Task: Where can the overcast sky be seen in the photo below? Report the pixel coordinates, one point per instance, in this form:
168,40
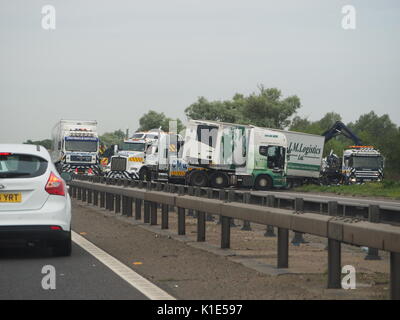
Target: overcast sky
114,60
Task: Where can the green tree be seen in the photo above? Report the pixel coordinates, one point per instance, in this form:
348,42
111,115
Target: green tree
155,120
265,108
381,133
110,138
269,109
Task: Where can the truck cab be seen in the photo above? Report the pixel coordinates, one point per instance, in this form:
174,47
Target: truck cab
130,156
76,147
362,164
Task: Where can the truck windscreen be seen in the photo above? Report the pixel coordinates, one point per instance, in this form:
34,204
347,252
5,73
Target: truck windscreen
81,145
132,147
366,162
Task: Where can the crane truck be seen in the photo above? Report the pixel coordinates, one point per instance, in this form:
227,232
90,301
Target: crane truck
359,163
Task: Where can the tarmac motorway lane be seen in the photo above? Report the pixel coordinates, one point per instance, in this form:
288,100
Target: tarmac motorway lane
80,276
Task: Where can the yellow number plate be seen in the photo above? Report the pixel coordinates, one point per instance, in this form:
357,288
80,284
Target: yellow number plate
10,197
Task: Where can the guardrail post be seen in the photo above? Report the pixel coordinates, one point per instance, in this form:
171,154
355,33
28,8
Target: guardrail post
283,248
79,193
146,212
111,202
95,198
171,189
90,196
102,199
164,216
373,216
394,275
153,213
117,203
73,192
334,264
181,215
209,217
138,209
221,196
334,254
129,202
84,195
190,193
299,208
231,198
270,229
225,232
201,219
246,223
124,205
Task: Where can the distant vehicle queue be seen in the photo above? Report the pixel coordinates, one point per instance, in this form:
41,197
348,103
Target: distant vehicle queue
216,154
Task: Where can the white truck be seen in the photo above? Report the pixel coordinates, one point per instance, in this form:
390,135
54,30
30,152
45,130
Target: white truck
75,146
362,164
145,156
224,154
304,157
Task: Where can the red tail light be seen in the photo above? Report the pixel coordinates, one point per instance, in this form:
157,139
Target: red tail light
55,228
55,185
5,153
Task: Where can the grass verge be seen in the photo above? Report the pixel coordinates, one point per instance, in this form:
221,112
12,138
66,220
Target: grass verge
388,189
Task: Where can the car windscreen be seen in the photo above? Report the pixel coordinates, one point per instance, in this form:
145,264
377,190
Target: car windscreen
366,162
132,147
21,166
81,145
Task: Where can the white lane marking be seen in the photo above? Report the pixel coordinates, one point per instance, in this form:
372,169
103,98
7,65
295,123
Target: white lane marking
149,289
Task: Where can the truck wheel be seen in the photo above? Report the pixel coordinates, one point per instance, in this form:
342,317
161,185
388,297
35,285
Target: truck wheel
219,180
263,182
144,175
198,178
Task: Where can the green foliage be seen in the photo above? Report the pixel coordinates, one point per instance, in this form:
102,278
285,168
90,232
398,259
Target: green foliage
155,120
381,133
110,138
47,143
266,108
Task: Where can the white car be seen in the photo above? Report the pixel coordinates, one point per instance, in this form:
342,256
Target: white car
35,206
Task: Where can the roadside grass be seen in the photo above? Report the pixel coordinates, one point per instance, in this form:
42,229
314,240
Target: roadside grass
387,188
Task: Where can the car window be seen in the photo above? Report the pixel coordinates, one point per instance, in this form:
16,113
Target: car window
21,166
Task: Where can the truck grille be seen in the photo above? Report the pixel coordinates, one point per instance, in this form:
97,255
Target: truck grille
81,158
118,164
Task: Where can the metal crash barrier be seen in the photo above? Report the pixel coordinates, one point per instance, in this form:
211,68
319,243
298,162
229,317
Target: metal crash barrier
122,196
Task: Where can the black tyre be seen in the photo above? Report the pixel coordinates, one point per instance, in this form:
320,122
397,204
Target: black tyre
263,182
198,178
219,180
144,174
63,248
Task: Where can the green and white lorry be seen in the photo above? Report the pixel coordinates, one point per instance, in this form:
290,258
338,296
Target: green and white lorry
304,157
221,154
